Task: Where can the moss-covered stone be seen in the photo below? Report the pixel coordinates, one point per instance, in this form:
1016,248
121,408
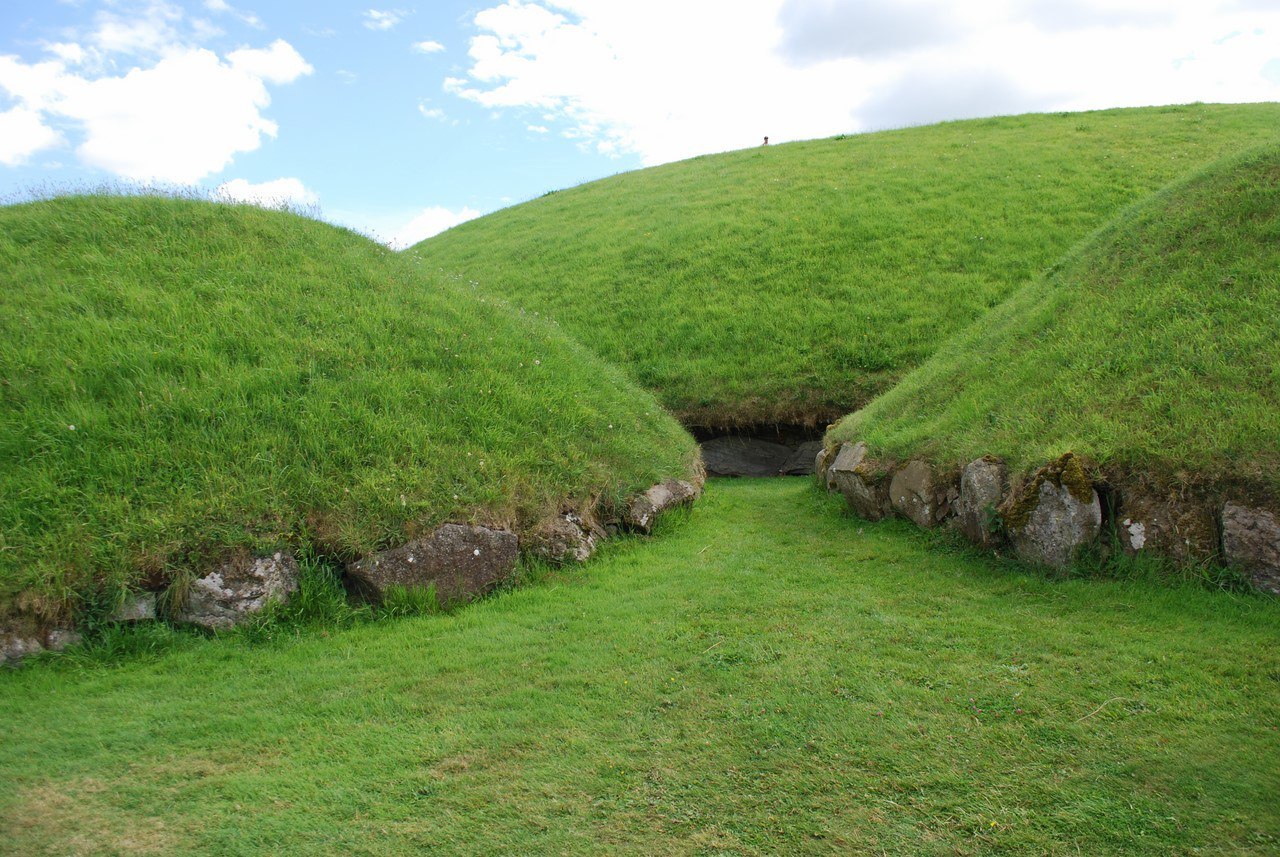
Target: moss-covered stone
1069,471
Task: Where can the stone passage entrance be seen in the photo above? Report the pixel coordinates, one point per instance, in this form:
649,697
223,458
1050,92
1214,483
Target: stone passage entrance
765,450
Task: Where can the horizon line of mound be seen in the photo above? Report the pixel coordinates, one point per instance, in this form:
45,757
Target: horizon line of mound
188,389
794,283
1151,349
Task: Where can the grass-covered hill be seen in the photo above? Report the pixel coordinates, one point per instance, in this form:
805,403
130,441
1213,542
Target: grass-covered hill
792,283
1152,347
180,378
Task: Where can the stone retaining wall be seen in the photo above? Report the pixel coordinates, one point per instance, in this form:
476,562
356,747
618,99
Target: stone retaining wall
458,561
1049,515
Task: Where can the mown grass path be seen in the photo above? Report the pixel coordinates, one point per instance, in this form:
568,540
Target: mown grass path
768,676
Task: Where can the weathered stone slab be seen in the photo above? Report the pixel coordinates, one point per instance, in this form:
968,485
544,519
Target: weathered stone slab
140,607
238,589
1251,541
984,483
1055,513
565,537
644,509
744,456
461,561
1149,521
822,467
913,493
863,481
802,460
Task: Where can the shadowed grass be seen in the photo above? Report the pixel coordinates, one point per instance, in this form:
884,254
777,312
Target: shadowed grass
763,679
1152,347
793,283
180,379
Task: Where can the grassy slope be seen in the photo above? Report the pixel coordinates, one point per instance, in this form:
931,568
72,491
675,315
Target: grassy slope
760,681
242,377
1153,346
794,282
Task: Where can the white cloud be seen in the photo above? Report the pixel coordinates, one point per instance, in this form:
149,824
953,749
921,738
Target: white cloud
69,52
539,129
430,221
279,63
222,7
375,19
277,193
428,47
22,134
432,112
669,78
817,30
153,30
178,117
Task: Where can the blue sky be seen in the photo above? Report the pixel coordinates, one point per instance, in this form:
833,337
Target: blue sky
402,118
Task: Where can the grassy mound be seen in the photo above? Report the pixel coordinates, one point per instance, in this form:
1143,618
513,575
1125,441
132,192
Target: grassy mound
793,283
179,379
1152,346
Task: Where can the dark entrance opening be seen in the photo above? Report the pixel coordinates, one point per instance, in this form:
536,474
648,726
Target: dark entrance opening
761,450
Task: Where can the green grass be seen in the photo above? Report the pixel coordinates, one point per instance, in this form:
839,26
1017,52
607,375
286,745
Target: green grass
1152,347
179,379
763,679
793,283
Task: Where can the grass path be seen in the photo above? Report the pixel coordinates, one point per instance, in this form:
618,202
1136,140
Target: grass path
768,676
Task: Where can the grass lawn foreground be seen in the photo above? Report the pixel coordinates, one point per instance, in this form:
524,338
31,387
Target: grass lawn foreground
767,677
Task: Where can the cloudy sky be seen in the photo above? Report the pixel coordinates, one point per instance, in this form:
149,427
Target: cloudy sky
403,118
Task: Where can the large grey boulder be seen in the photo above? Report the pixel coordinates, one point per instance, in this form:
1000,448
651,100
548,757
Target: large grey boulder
744,456
984,482
862,480
238,589
21,636
1251,540
916,492
567,536
644,509
802,460
1055,513
1164,523
461,561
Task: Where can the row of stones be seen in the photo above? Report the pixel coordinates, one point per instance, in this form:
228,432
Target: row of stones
459,561
1048,516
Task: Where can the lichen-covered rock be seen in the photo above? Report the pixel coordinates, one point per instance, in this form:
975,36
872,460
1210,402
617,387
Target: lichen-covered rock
822,467
1054,514
862,480
917,493
643,510
1165,523
21,637
744,456
566,536
984,482
460,561
238,589
1251,541
140,607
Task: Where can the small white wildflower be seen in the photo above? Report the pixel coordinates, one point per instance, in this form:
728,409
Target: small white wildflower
71,428
476,552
